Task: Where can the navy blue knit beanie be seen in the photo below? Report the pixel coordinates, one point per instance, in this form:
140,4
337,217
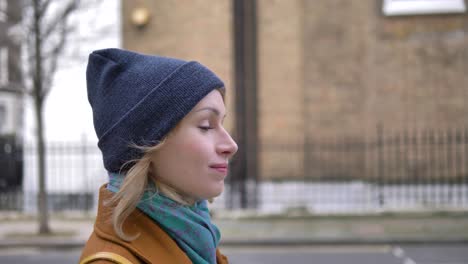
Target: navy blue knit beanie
137,99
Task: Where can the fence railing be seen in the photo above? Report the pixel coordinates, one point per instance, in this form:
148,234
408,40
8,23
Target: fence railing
400,170
74,173
409,170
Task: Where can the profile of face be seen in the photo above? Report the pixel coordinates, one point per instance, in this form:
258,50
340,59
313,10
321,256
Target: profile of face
194,157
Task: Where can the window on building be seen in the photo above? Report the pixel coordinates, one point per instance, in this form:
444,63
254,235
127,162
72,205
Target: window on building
422,7
3,10
3,66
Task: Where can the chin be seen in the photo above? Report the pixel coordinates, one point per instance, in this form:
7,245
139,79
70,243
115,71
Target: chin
215,192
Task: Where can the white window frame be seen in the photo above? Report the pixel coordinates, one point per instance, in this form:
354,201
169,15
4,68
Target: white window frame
3,10
4,66
422,7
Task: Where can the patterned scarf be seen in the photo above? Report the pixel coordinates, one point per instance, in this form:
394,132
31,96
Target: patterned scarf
189,226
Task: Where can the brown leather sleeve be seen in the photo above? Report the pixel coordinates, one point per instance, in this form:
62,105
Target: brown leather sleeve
220,258
96,244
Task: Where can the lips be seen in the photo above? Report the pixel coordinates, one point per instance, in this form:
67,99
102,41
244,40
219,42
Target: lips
221,167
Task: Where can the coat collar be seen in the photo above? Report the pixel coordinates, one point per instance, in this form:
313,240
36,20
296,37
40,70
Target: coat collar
153,245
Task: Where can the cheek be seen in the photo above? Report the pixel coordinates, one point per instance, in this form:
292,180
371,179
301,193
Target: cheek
184,163
194,152
189,154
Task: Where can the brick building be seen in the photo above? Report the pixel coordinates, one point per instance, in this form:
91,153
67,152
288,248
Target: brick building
11,96
10,71
324,67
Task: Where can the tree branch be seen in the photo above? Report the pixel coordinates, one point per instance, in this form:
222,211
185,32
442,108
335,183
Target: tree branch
60,18
43,8
53,57
55,16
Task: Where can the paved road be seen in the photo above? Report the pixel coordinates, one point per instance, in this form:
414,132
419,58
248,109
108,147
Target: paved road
380,254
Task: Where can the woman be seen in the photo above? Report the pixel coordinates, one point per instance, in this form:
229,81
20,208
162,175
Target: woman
159,122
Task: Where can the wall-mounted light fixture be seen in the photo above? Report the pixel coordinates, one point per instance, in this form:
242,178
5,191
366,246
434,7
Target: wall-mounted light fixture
140,16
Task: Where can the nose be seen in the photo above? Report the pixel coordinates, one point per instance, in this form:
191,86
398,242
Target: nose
227,146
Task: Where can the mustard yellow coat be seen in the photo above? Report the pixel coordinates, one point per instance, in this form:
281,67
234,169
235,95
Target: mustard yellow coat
153,245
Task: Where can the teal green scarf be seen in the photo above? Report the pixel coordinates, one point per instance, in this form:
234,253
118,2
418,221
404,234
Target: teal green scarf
189,226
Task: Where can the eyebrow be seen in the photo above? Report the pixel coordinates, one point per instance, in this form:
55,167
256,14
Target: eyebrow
212,109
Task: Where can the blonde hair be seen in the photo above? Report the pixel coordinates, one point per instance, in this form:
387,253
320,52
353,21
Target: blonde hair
132,188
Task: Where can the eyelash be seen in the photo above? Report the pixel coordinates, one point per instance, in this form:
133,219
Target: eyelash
205,128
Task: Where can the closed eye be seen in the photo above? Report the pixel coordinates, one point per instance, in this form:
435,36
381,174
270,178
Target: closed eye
205,128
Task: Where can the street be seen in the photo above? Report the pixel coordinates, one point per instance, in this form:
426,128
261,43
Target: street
372,254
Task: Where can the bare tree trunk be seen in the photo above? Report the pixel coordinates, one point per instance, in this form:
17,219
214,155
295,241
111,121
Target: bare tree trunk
38,106
41,152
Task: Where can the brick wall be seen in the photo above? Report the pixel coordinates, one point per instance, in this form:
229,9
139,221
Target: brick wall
190,30
326,68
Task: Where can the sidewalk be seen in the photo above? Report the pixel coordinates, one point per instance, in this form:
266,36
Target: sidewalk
408,228
268,230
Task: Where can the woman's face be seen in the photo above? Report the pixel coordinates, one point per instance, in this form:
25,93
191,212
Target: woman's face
194,157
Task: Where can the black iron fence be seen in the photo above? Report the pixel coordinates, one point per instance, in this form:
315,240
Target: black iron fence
409,170
10,163
11,172
391,170
74,173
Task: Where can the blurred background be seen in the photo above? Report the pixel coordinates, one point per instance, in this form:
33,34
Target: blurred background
350,116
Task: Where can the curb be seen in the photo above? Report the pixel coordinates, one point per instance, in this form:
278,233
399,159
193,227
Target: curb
339,241
42,243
